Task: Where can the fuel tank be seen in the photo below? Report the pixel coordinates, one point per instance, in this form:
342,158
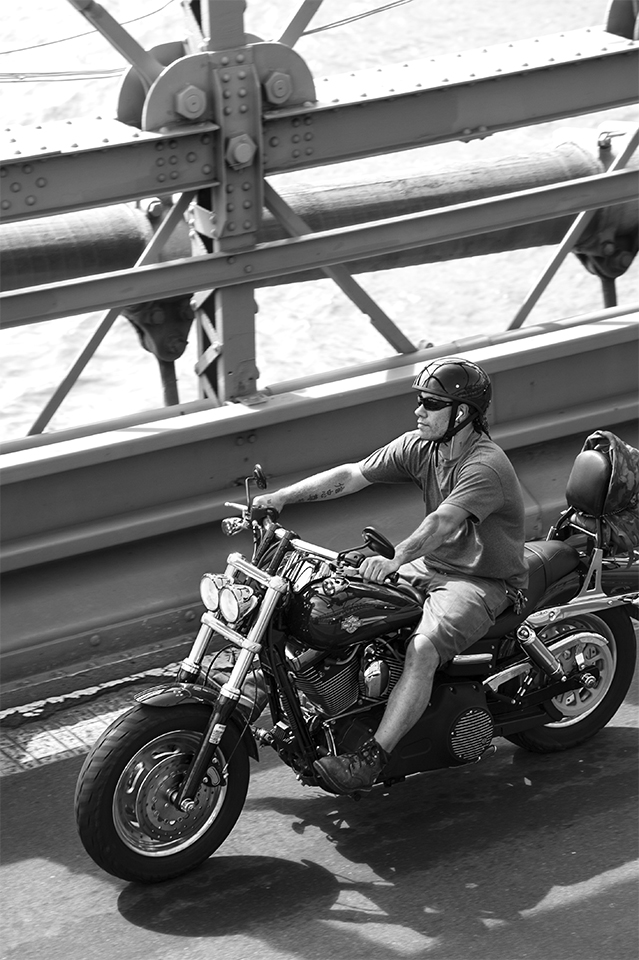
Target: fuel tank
331,615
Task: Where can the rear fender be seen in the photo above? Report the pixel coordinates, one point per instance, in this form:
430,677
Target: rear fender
179,693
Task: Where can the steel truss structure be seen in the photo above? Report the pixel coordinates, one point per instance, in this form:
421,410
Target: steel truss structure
210,119
108,527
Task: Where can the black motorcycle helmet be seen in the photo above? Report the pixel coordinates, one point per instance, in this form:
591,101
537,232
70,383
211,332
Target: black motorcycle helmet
457,381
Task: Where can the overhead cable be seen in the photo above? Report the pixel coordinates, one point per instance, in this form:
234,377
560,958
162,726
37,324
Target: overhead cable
87,33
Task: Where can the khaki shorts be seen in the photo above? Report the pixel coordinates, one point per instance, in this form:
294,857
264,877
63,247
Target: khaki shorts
457,610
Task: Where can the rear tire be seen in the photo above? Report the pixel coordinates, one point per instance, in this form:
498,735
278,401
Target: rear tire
586,712
123,803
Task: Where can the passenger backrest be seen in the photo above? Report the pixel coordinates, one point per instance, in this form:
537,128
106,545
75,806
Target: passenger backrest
588,482
603,494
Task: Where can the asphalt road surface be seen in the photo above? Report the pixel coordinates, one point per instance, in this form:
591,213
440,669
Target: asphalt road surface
519,856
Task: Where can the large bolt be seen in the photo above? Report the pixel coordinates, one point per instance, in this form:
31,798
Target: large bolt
240,151
278,87
190,102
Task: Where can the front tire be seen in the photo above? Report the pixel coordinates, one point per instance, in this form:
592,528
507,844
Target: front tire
587,711
125,816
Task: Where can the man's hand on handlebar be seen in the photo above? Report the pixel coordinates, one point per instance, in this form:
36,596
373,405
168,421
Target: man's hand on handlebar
378,568
268,501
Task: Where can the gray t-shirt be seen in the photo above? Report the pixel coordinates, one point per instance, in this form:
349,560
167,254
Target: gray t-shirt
482,481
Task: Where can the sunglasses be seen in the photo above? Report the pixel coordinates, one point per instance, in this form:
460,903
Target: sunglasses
431,403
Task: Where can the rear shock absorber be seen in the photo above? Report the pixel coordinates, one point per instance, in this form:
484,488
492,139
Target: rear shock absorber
539,653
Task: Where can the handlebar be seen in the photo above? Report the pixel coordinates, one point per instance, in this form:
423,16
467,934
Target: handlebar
307,547
268,517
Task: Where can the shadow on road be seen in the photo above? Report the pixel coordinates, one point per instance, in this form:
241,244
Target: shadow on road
467,863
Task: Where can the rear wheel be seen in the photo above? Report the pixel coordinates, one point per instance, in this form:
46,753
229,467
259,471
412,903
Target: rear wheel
125,810
605,641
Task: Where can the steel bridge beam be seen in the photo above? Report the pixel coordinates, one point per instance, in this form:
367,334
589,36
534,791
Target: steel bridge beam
71,166
265,261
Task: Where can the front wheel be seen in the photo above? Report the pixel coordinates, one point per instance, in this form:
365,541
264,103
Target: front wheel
586,710
124,807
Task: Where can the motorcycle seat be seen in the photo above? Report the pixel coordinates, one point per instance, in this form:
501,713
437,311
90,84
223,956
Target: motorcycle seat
547,562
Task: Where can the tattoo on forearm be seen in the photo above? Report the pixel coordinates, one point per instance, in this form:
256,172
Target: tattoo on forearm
327,494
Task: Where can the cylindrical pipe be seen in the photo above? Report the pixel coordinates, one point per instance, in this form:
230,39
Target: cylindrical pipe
110,238
80,244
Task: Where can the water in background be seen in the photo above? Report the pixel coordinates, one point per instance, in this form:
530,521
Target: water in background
300,328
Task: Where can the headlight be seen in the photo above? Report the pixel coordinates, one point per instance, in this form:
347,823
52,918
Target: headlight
235,601
210,586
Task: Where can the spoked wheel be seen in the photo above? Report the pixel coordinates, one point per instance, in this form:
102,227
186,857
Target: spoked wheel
606,642
125,797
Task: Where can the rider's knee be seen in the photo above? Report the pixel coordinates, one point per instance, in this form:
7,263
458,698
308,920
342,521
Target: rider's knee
422,650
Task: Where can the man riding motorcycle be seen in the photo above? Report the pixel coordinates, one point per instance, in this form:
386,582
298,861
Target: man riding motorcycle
466,557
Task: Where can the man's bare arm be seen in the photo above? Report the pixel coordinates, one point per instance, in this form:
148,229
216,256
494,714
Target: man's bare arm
434,530
328,485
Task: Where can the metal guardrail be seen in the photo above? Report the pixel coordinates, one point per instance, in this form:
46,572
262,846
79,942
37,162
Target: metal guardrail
106,534
110,533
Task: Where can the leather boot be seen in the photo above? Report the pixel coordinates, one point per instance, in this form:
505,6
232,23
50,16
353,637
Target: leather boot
353,772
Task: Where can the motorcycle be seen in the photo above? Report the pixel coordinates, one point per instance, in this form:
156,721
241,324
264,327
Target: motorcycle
322,649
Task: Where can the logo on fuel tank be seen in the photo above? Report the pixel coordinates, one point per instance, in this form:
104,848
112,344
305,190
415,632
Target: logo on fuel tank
351,624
